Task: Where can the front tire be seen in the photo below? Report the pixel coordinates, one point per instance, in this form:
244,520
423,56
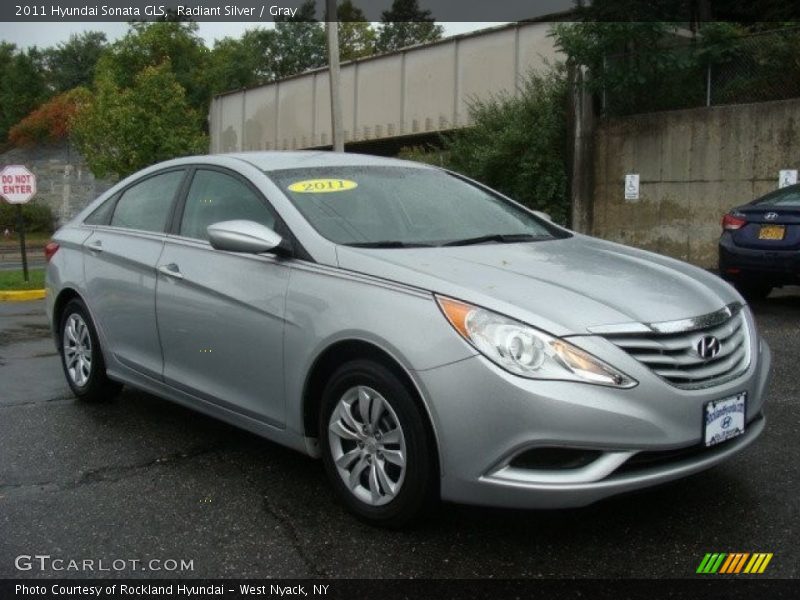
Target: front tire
81,356
376,447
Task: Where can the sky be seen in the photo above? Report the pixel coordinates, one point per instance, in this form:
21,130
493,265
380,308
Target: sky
50,34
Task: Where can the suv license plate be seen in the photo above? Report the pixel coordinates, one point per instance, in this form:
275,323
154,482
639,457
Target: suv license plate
724,419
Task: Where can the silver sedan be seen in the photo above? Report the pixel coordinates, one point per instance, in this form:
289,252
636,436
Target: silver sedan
424,335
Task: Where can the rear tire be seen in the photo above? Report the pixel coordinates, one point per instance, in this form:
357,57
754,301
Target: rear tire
754,291
378,452
81,356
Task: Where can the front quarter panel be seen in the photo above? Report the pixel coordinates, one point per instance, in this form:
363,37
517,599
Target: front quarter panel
325,306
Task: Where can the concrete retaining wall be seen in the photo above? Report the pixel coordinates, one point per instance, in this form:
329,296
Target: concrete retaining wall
694,166
63,180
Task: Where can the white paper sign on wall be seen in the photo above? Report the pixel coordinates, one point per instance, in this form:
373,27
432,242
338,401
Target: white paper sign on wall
787,177
632,186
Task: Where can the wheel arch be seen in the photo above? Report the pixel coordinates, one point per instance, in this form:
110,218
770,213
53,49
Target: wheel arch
64,296
344,351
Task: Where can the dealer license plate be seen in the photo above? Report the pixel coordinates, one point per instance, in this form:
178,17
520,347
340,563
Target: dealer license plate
724,419
771,232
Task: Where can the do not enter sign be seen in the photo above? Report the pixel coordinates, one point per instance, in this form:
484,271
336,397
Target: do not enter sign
17,184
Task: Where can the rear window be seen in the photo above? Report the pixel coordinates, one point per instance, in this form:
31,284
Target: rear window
788,196
102,214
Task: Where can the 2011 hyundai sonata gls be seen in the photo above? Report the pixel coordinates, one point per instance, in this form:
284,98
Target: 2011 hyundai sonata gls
424,335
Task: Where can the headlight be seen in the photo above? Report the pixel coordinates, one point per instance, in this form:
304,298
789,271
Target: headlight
525,351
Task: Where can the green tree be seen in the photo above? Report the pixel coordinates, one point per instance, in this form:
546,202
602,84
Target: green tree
298,43
126,129
357,38
153,44
72,63
22,85
237,63
405,24
500,150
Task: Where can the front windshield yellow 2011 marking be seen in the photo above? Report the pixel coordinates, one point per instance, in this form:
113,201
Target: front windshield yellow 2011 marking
322,186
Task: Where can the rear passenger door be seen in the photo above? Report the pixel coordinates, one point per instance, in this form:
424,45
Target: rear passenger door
120,258
221,314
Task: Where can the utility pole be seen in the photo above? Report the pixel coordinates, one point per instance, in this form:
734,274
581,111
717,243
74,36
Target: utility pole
332,27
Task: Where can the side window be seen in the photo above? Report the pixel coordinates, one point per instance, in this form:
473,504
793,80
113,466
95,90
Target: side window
215,197
102,214
146,205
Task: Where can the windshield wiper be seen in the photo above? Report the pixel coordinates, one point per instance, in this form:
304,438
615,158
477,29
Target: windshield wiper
388,244
502,238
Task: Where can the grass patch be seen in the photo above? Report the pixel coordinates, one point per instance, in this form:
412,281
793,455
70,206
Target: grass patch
13,280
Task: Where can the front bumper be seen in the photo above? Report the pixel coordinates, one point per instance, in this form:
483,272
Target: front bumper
485,417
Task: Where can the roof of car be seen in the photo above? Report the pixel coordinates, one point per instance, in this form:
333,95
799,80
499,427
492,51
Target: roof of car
276,161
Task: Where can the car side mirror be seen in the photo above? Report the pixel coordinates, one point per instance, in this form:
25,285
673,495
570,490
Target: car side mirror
543,215
243,236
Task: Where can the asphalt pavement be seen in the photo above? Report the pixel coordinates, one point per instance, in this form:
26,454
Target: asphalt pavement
139,478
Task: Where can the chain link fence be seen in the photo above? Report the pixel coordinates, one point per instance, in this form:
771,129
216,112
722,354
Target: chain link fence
753,68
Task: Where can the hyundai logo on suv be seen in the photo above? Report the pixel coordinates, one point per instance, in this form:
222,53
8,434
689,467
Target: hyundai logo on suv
771,216
708,347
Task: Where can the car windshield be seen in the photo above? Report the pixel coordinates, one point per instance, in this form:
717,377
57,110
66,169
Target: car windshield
789,196
396,207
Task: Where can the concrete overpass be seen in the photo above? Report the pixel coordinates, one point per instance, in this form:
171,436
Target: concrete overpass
393,98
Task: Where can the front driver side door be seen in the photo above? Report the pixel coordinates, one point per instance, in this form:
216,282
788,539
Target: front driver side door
221,314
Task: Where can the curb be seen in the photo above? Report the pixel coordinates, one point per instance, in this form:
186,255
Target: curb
21,295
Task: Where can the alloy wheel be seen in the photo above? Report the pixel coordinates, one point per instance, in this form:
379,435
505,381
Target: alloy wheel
367,445
77,345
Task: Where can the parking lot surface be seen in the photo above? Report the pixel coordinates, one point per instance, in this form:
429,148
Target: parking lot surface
139,478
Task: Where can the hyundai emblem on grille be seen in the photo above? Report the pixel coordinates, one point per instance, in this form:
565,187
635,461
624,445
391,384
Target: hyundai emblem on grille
708,347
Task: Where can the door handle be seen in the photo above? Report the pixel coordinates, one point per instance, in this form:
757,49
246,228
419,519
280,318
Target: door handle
96,246
171,270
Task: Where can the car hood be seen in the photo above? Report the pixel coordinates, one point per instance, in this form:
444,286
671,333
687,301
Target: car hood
563,286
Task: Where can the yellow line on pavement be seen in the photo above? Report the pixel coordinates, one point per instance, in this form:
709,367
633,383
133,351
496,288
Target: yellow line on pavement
21,295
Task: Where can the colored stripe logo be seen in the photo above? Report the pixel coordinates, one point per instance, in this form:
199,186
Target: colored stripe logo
734,563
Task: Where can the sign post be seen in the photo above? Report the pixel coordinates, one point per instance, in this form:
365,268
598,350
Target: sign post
18,186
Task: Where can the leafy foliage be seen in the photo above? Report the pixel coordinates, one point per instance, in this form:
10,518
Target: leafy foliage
22,84
500,150
640,67
406,24
125,129
38,217
71,64
154,44
357,38
298,43
51,121
237,63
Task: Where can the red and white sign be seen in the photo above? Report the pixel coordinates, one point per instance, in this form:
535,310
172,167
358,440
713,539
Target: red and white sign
17,184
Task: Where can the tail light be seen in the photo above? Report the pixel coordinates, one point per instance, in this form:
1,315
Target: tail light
734,221
50,249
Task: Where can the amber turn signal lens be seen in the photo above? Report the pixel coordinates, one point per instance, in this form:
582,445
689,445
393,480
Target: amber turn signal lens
457,313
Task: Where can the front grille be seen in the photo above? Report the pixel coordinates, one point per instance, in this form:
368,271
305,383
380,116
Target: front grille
674,356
